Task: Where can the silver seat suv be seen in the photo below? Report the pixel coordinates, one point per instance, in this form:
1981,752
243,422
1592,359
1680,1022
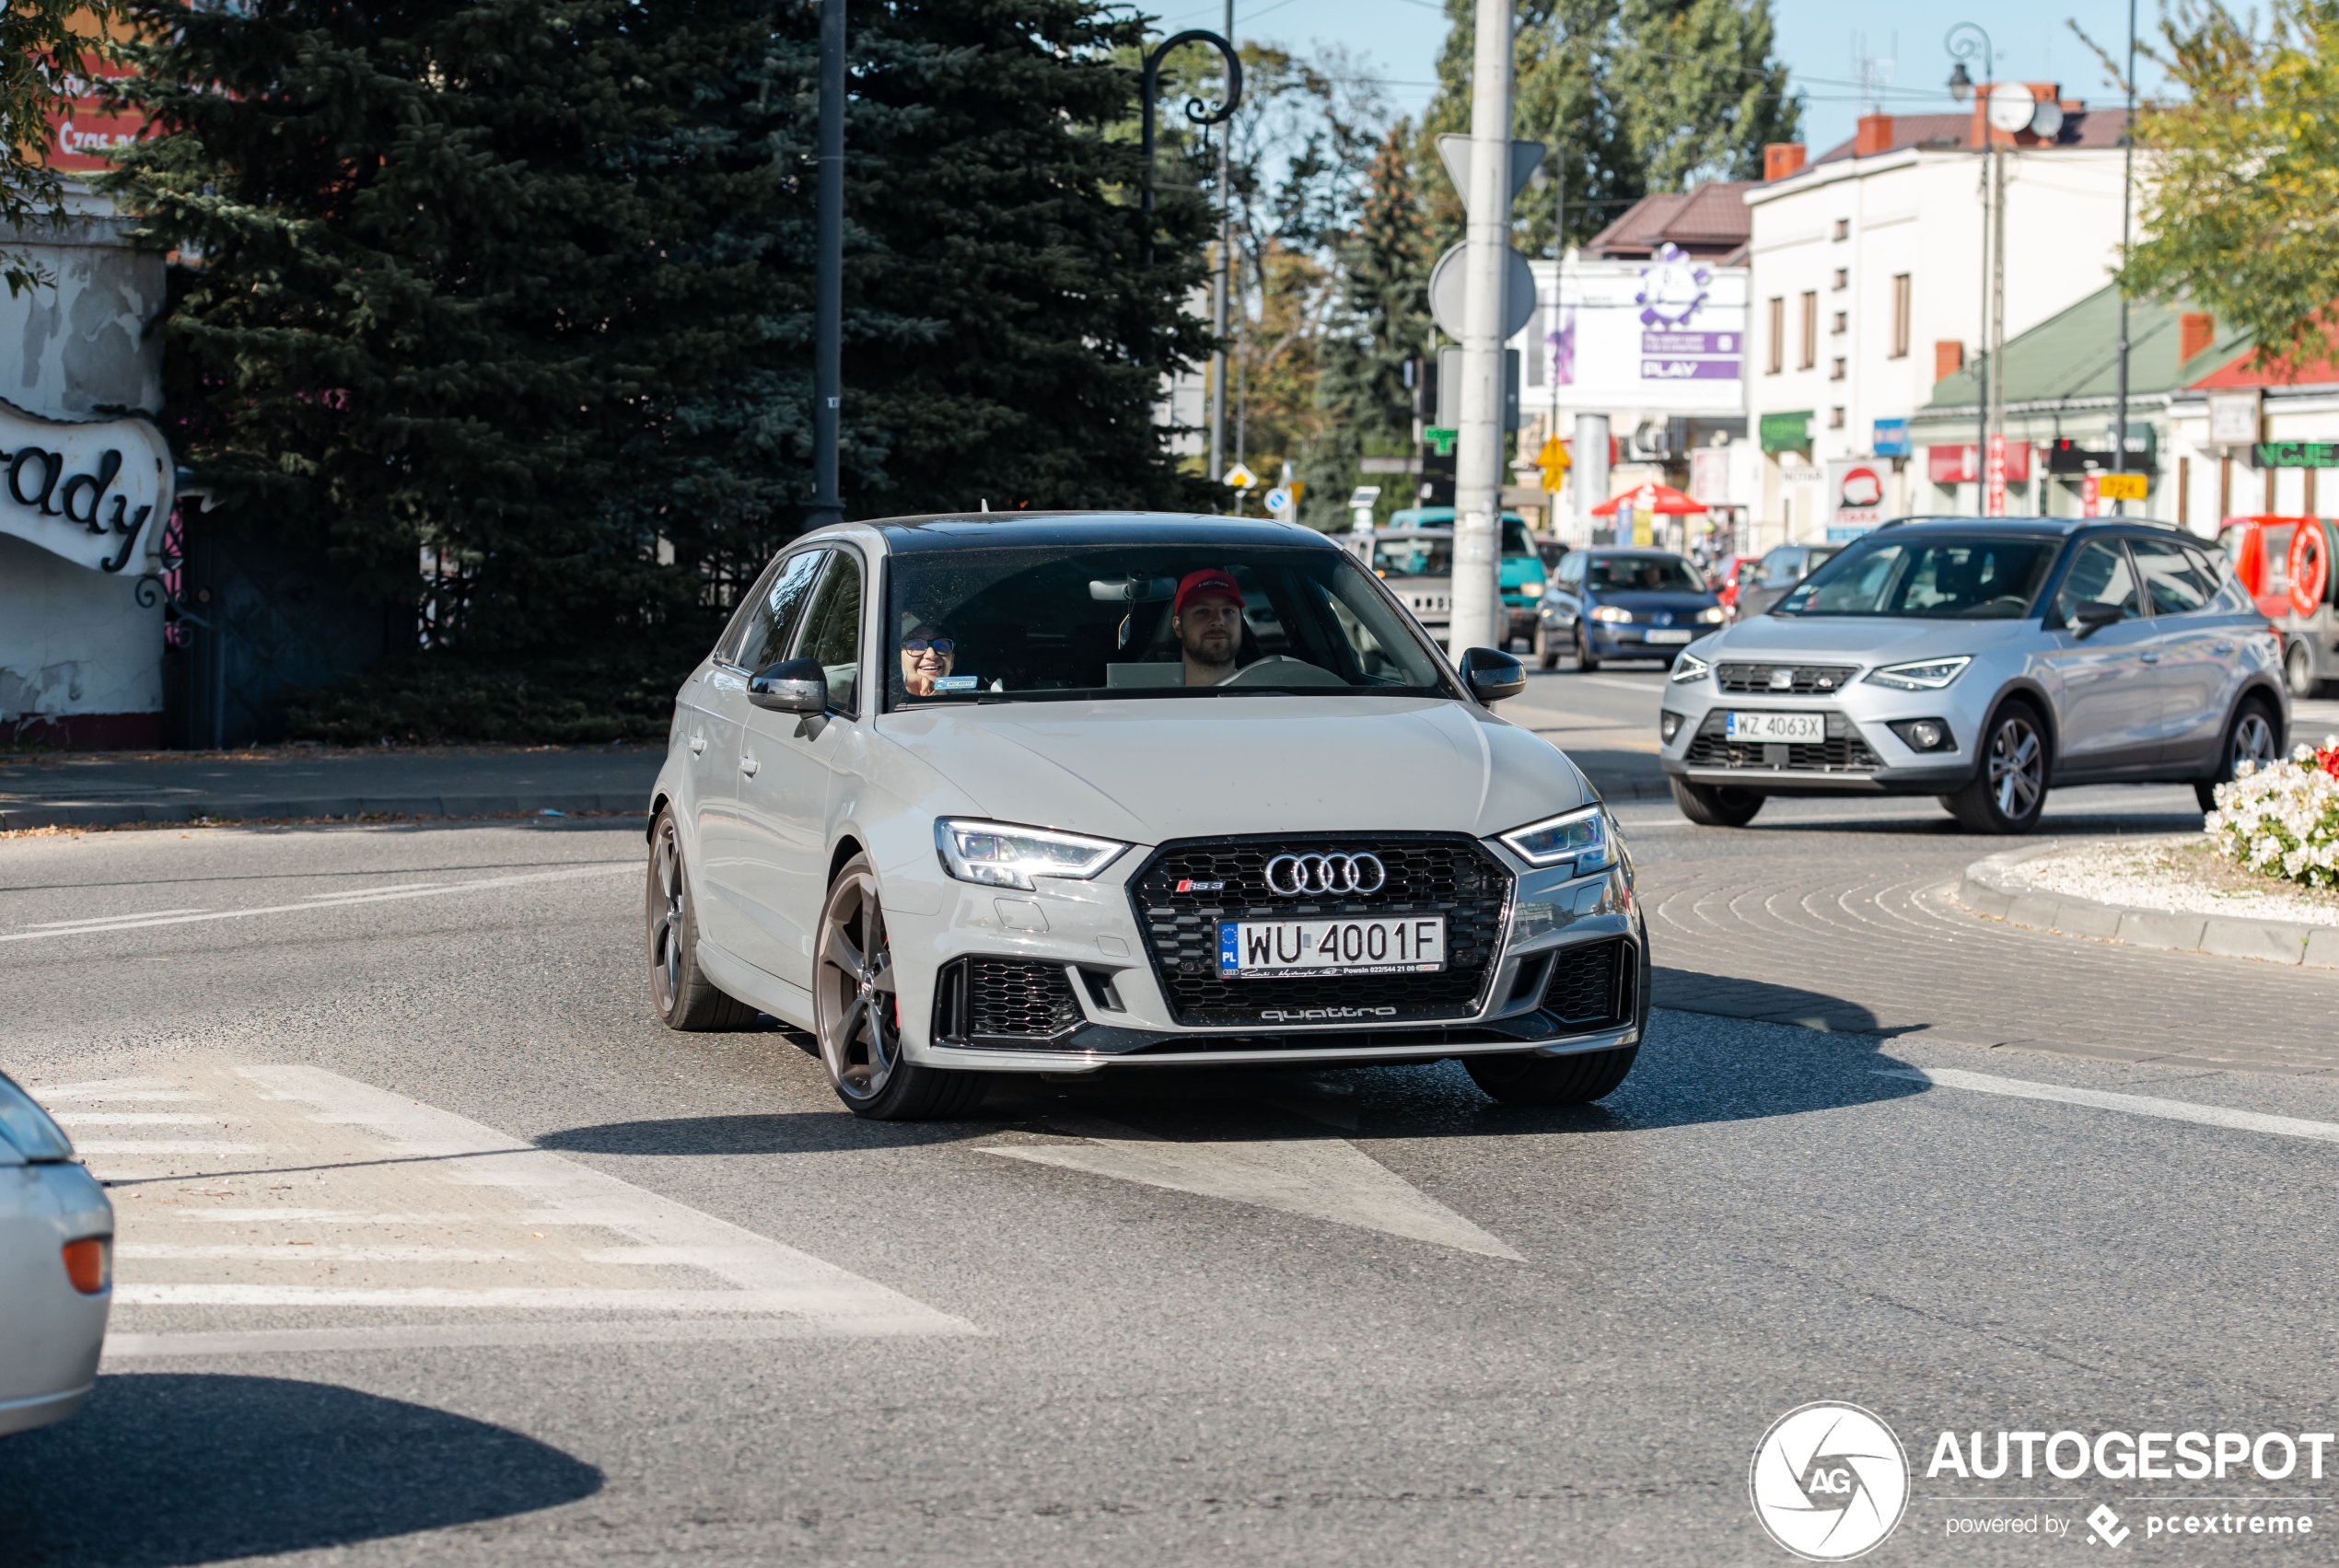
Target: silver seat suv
1983,661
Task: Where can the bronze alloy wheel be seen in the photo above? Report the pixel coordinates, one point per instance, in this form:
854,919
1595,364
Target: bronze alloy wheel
852,993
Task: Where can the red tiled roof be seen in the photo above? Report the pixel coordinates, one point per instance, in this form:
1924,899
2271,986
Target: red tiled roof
1709,221
2081,128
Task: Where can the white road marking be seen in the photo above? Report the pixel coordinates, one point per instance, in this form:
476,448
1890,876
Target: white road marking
1324,1179
2133,1105
163,1146
146,1089
102,919
1653,687
310,905
297,1253
132,1119
817,1301
424,1336
770,1277
370,892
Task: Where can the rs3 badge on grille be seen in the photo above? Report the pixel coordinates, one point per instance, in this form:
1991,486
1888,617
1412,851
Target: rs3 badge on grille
1274,949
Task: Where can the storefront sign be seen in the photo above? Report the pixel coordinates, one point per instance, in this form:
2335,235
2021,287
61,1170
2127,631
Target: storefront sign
1956,465
1856,489
89,493
1786,432
1889,439
2295,455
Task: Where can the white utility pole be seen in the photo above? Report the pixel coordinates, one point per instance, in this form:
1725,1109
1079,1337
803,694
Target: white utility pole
1479,619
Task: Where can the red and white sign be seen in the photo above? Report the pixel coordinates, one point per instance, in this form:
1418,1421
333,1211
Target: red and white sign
1956,465
84,140
2090,498
1857,492
1993,479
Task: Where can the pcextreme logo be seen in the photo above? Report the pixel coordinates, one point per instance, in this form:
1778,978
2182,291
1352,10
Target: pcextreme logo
1829,1481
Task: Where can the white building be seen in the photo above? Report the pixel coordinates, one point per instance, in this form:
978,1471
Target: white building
1868,274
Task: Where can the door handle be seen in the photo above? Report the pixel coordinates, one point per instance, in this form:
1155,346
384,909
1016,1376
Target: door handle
2150,656
748,766
698,744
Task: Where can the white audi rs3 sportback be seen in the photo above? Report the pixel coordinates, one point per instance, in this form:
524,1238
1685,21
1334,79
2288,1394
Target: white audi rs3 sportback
1072,792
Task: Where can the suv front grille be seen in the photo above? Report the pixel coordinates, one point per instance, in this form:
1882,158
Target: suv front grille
1428,873
1808,679
1842,752
1022,1002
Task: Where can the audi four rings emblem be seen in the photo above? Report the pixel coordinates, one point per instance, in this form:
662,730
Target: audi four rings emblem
1292,875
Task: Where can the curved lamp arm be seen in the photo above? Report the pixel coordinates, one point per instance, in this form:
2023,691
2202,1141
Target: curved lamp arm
1197,111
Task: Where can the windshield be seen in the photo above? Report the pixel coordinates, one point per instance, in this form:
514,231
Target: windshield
1515,537
1415,557
1044,623
1643,573
1953,578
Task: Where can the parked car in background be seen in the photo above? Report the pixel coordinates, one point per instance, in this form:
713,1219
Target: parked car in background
1523,570
56,1268
1984,661
1728,576
1418,566
1776,577
1624,603
2284,564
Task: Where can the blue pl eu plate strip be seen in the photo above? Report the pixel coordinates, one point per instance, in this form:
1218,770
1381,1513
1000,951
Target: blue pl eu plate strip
1229,946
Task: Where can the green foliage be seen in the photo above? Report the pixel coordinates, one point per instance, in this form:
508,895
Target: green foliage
48,50
2239,195
583,701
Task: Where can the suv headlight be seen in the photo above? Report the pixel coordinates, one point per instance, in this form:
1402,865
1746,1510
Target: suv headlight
1581,836
999,854
1713,615
1920,675
1689,666
1613,613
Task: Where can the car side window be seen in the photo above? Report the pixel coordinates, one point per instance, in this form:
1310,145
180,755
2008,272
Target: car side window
2099,574
2168,576
1571,569
832,630
779,605
1779,567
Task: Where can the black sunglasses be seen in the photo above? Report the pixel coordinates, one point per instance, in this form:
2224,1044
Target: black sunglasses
919,645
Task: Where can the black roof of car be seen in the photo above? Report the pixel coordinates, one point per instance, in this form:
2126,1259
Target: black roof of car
2058,528
959,530
1628,550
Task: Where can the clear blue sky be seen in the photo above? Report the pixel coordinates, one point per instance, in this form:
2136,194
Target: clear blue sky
1397,40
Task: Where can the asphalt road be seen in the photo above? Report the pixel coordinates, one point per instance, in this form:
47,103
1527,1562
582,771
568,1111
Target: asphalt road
436,1247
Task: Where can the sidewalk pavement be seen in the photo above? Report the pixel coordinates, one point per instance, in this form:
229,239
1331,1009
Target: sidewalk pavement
110,788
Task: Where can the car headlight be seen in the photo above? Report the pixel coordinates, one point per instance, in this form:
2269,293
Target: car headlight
1713,615
1920,675
1611,612
1530,590
1689,666
1581,836
999,854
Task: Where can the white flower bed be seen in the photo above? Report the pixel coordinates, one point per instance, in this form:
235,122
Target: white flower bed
2283,819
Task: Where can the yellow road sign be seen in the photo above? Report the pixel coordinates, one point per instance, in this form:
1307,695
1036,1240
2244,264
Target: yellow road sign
1242,478
2120,486
1553,455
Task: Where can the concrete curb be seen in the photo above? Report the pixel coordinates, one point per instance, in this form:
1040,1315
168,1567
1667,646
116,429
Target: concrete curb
102,814
1996,888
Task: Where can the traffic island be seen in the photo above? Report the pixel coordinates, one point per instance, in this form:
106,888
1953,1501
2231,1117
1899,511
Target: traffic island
2174,892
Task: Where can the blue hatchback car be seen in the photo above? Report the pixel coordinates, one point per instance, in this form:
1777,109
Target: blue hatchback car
1625,603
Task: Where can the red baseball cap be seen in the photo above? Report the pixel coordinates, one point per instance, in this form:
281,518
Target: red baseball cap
1209,580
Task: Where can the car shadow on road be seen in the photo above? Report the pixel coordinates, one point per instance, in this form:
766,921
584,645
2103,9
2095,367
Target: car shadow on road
166,1468
763,1133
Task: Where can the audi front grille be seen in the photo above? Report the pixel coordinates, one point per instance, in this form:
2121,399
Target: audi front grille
1446,874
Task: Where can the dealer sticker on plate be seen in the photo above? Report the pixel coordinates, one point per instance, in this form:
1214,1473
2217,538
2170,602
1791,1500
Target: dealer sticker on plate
1274,949
1797,729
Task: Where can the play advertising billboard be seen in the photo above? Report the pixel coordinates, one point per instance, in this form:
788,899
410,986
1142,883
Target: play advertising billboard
1668,334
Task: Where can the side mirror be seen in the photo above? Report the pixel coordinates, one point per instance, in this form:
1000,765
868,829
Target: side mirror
2093,617
1492,677
792,686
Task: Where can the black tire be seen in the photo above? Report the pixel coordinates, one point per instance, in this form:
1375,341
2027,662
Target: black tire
2298,669
1552,1080
1546,654
2253,733
857,1017
1716,806
683,998
2010,781
1584,660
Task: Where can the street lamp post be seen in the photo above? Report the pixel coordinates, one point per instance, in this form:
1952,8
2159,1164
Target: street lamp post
2127,185
1967,40
828,274
1200,115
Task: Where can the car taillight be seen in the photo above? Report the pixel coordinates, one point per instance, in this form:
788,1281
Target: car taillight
90,1264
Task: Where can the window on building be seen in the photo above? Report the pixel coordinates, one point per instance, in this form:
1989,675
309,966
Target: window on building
1843,228
1778,334
1841,323
1902,324
1842,277
1836,417
1835,370
1810,343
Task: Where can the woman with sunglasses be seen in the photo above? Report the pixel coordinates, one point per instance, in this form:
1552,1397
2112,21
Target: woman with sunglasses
927,656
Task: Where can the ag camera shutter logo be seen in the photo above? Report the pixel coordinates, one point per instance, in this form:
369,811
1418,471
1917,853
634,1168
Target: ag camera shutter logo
1829,1482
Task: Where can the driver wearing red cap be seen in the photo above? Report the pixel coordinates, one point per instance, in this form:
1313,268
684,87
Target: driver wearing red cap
1207,618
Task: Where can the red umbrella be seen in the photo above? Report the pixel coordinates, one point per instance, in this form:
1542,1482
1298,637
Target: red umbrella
1662,499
